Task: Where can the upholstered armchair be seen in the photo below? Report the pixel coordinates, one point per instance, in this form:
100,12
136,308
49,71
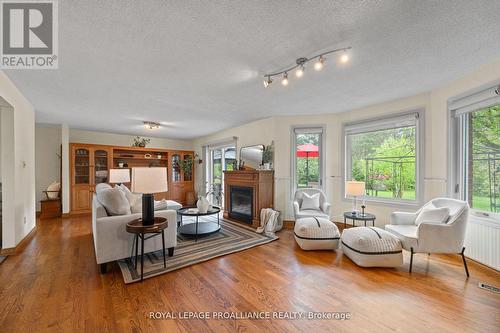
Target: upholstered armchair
421,235
322,211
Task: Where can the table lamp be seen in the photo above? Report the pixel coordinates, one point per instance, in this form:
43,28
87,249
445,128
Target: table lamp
354,189
119,176
149,181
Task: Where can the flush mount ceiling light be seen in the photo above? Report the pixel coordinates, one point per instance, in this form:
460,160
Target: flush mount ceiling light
151,125
300,65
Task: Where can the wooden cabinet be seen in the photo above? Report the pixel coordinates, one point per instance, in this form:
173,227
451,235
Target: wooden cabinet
180,182
90,166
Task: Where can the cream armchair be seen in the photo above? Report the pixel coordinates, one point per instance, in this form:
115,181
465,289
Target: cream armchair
434,237
324,206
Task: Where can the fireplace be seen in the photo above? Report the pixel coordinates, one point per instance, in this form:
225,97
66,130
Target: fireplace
246,193
241,203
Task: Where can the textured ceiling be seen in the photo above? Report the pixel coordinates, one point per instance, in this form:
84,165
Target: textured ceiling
197,66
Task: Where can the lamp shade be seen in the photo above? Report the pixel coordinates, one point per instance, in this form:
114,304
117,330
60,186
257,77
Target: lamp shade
119,176
149,180
354,188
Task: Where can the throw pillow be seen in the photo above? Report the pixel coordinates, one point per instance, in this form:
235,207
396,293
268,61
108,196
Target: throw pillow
432,214
310,201
161,205
124,188
102,186
135,202
114,201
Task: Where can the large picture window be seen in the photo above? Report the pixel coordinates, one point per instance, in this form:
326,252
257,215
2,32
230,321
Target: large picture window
476,158
384,154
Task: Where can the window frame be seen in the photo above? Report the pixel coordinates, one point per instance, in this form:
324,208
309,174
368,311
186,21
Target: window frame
458,111
419,158
322,165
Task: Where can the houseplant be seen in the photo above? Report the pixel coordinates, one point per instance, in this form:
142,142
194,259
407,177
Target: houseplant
268,156
140,142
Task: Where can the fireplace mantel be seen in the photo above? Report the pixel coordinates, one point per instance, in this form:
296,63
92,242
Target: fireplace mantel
262,184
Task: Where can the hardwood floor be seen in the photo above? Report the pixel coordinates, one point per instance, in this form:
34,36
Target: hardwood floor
55,285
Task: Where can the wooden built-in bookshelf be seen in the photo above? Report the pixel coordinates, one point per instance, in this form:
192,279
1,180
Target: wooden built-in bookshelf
90,164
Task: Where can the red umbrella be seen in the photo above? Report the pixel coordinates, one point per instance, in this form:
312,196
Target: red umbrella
307,150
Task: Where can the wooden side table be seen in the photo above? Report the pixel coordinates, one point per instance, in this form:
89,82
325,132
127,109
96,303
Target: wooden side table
50,208
139,230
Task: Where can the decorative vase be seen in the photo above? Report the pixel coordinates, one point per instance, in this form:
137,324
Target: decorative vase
202,204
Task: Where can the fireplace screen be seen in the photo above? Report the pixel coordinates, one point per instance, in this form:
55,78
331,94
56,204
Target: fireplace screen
241,205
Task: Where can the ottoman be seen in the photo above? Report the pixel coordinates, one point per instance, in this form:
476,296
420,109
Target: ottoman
316,233
372,247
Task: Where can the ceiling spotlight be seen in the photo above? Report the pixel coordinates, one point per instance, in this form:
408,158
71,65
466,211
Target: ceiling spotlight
318,65
284,81
151,125
300,71
268,82
344,58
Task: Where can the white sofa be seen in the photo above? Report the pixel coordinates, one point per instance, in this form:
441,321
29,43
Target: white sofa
430,237
324,206
112,241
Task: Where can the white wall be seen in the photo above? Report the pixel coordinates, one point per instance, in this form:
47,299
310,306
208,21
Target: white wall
93,137
47,158
435,142
19,168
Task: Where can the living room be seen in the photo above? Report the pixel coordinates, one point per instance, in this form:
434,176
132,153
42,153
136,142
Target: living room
308,165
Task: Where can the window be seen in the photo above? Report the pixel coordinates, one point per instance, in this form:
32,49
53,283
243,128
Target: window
384,153
307,156
475,141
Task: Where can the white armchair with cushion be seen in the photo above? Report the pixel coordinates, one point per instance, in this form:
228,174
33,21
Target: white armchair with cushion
310,202
438,227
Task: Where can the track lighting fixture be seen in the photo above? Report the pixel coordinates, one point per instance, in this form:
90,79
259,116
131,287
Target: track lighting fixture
344,58
267,82
318,65
299,72
284,81
151,125
300,66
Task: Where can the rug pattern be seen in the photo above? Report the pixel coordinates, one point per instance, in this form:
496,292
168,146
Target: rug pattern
231,238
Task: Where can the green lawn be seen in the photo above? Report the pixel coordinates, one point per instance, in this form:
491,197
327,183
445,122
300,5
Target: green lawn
407,195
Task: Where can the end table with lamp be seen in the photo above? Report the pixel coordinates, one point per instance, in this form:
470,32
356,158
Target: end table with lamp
148,180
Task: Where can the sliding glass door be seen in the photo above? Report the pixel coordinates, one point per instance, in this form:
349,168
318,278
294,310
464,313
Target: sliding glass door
221,159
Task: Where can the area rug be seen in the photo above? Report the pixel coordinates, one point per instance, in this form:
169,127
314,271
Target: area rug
231,238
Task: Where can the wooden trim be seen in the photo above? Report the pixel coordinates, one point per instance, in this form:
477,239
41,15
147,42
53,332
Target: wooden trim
288,224
21,245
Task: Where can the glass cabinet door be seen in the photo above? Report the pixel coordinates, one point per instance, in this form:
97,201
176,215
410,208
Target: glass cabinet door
188,176
101,166
82,166
176,170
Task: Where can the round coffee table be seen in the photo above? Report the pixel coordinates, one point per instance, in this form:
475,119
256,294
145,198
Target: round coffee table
140,230
358,217
195,229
